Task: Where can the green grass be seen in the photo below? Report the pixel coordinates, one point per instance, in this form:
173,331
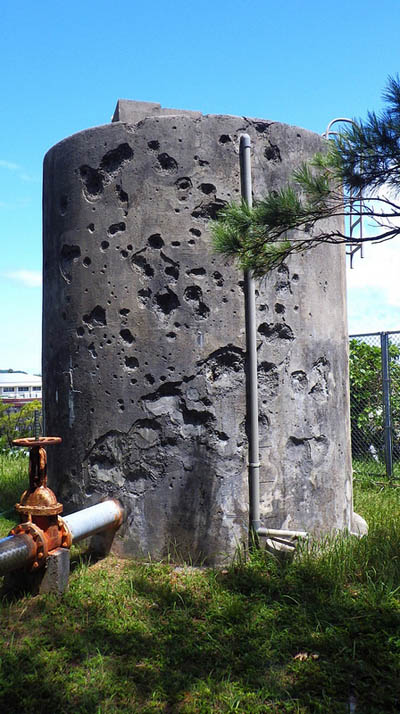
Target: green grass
13,481
264,636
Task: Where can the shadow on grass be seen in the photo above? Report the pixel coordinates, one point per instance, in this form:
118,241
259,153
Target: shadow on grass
256,639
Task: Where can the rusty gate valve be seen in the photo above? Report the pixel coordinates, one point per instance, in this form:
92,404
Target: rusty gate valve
38,499
39,505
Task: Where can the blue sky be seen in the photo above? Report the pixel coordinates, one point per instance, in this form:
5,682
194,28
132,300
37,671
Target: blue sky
64,65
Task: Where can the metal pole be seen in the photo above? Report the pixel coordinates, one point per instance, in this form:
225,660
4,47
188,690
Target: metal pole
251,346
387,412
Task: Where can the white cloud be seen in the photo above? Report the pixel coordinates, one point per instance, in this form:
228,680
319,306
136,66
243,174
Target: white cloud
22,174
373,288
30,278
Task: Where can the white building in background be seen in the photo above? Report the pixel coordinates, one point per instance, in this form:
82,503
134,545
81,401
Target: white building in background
19,388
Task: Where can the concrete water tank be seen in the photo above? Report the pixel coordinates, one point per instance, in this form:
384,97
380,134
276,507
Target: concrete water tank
144,342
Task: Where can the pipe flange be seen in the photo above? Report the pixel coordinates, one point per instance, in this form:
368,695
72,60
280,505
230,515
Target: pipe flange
38,537
66,535
28,510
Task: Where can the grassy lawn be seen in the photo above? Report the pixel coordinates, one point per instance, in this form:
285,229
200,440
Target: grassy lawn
320,633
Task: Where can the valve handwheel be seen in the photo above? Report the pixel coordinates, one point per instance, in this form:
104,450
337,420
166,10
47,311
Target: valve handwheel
40,441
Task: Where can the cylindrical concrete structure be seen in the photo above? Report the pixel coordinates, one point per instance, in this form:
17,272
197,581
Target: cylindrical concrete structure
144,343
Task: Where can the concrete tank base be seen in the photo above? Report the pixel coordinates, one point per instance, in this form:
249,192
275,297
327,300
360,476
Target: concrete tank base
144,344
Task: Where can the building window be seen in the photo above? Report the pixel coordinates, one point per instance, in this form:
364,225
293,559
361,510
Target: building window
23,389
37,389
8,389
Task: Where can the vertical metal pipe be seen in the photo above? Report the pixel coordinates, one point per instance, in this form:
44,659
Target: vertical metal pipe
387,412
251,346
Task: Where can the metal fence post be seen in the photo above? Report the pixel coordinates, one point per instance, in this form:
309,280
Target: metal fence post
387,412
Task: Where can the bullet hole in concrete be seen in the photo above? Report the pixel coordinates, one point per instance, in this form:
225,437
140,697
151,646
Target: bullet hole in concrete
153,145
222,436
68,255
193,417
207,188
149,378
80,331
141,262
262,307
224,300
116,228
177,324
124,311
176,243
295,277
123,197
283,285
91,227
268,379
133,381
224,139
169,389
195,232
63,204
104,245
92,180
131,362
193,292
261,126
124,253
155,241
224,360
184,183
202,162
127,336
121,405
113,159
129,246
272,153
144,295
167,163
280,309
296,307
172,271
92,350
298,381
86,262
167,301
171,335
196,271
218,279
278,330
96,317
209,210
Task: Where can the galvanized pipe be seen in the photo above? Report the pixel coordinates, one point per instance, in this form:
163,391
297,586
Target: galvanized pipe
83,524
251,351
18,551
278,533
15,552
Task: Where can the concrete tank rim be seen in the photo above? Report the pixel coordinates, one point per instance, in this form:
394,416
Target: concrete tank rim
164,117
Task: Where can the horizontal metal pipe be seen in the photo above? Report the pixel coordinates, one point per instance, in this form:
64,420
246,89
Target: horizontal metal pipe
83,524
15,552
278,533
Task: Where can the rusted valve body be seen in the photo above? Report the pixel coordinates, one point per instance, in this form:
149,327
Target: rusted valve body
39,504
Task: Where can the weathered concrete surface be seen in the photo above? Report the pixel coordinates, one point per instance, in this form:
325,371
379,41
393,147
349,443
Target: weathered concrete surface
144,340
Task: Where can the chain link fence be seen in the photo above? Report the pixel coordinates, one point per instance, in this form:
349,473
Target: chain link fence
375,403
